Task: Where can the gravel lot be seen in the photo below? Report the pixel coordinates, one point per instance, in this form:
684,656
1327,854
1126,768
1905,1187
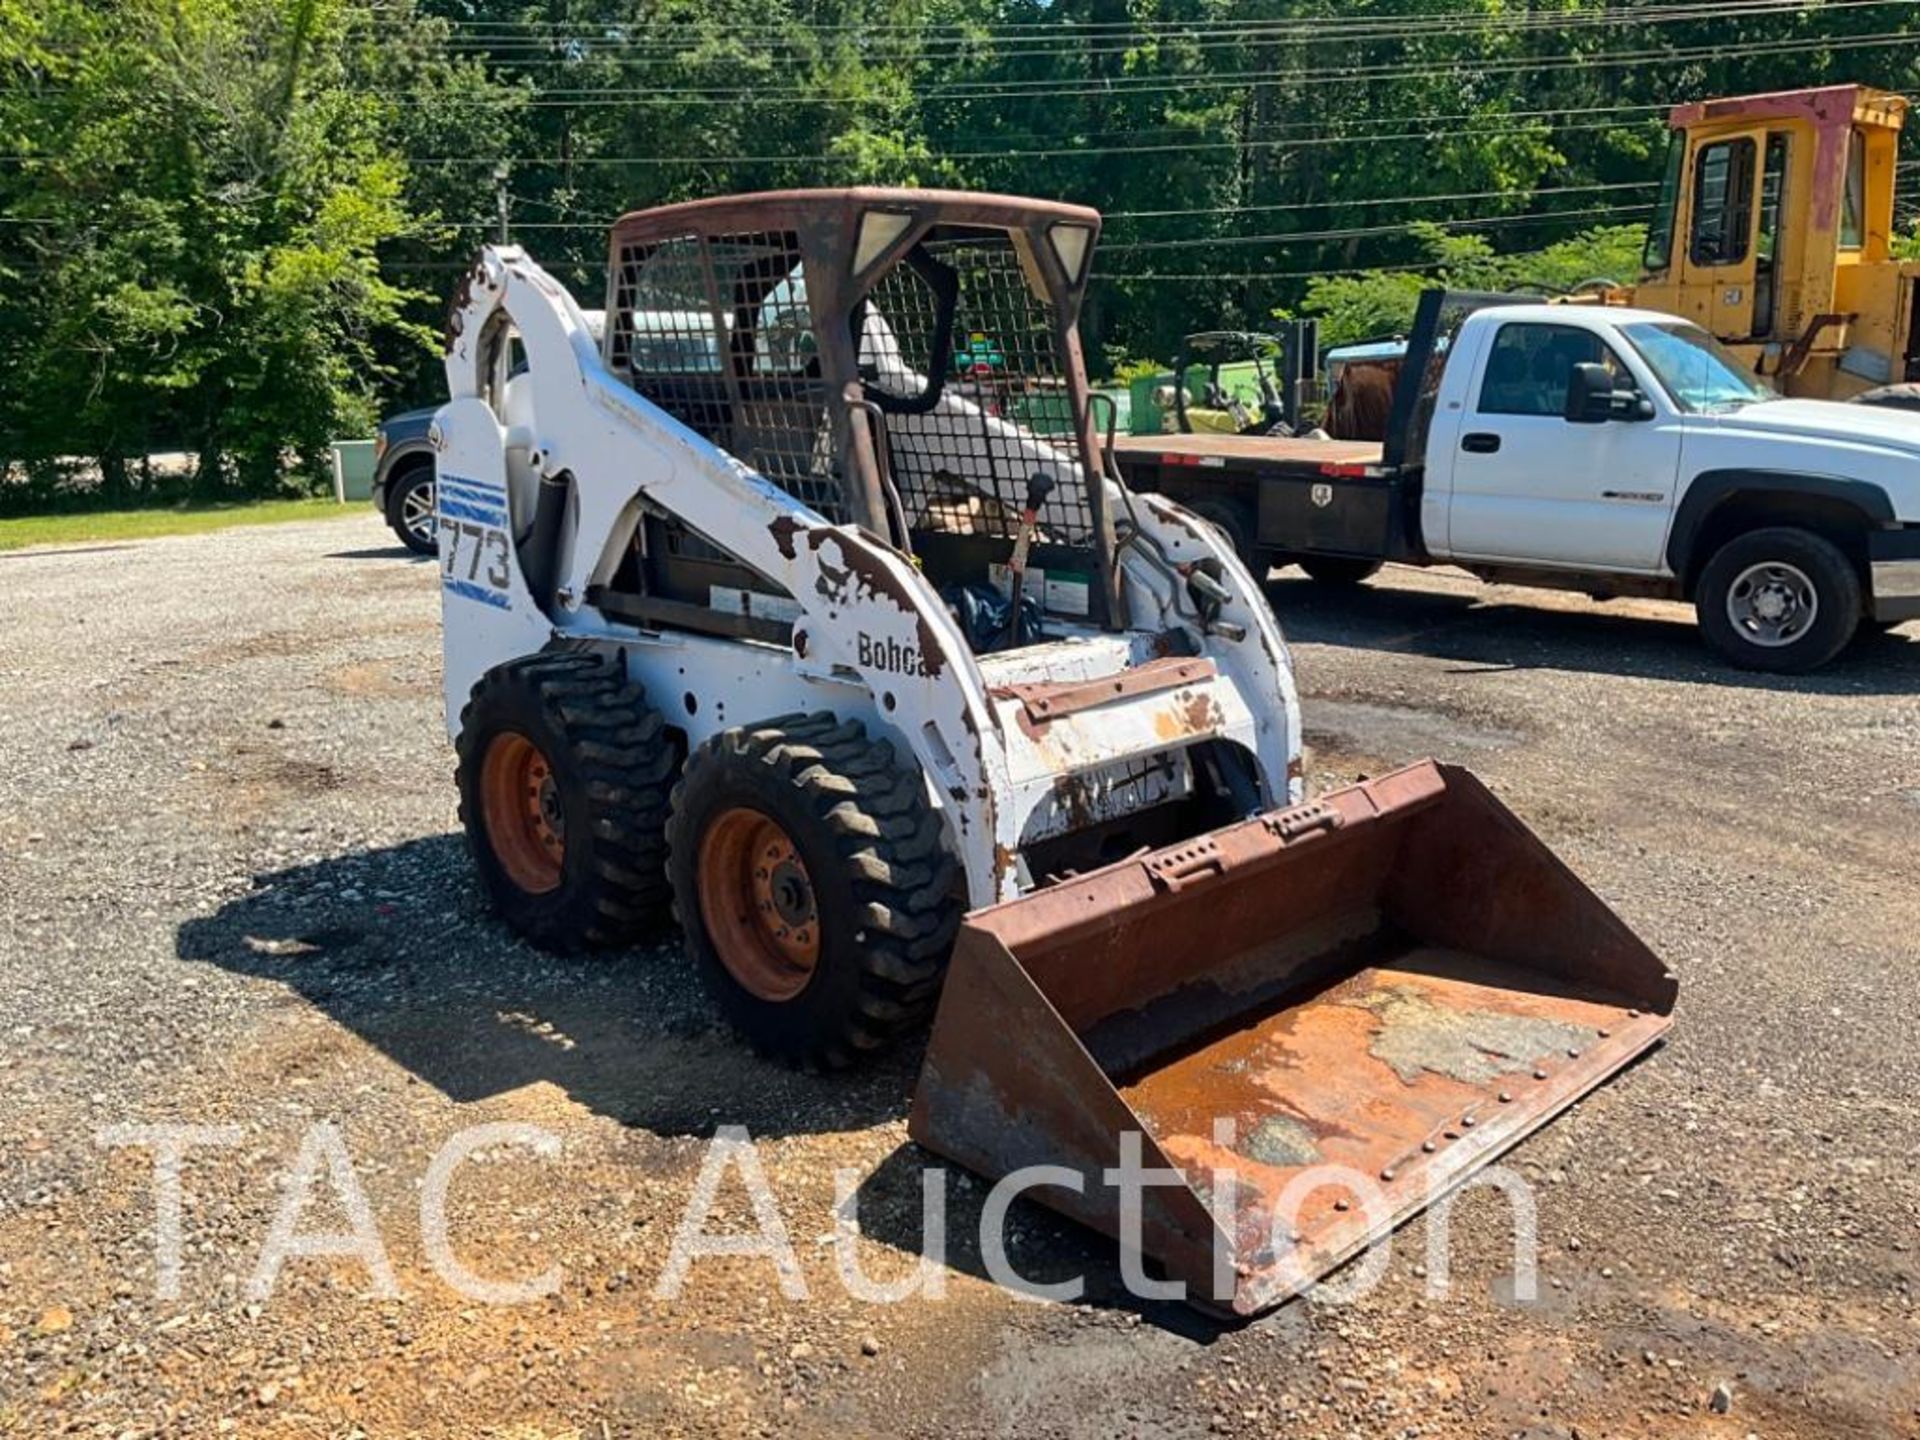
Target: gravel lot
232,895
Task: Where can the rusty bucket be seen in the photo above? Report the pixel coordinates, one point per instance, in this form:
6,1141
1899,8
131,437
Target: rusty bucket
1318,1021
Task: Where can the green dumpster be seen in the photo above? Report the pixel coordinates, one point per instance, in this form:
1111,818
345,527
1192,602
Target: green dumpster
352,470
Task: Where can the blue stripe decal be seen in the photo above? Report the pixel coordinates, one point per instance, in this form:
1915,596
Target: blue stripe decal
467,590
467,490
472,512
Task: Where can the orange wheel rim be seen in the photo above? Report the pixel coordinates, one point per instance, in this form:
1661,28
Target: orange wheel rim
757,901
520,804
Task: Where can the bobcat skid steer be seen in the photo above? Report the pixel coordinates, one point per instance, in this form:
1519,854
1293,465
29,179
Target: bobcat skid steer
805,602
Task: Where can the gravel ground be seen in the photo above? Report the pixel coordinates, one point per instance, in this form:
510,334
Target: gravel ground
232,896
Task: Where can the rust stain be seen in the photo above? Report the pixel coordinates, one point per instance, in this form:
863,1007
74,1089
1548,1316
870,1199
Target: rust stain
1005,861
1202,712
457,307
783,529
1195,712
863,566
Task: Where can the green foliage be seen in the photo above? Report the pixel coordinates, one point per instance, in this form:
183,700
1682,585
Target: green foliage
195,253
229,226
1374,303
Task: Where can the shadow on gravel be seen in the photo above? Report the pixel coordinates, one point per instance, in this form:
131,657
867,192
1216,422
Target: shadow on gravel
381,552
396,946
1042,1248
1501,636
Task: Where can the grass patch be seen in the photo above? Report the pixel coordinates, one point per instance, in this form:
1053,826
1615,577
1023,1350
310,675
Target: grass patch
108,525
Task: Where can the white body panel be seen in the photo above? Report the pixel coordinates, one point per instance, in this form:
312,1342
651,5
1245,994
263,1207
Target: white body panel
872,639
1602,498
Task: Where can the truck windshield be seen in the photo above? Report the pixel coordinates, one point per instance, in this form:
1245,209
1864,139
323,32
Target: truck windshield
1700,373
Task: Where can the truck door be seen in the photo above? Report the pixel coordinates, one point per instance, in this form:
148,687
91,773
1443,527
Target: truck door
1721,258
1531,486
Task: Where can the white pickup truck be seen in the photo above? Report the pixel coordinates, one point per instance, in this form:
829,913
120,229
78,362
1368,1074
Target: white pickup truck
1600,449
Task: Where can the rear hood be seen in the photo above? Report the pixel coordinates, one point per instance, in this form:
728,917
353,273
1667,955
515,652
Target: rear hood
1885,429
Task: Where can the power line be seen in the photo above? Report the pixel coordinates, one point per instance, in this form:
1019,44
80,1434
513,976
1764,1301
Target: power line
1156,82
1359,232
1038,41
1347,203
1409,268
1382,202
830,157
1297,236
1412,24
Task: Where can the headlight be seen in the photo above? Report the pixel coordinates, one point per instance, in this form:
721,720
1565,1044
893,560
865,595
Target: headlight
379,445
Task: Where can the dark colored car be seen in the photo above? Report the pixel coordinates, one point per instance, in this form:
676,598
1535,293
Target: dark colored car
403,477
403,464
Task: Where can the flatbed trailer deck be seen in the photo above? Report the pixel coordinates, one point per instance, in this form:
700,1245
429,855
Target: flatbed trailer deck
1284,498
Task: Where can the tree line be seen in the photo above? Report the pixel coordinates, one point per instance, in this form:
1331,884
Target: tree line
227,227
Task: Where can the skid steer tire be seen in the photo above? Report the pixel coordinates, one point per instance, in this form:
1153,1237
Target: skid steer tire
580,861
812,880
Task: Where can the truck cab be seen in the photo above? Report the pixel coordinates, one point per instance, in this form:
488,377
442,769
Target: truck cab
1607,449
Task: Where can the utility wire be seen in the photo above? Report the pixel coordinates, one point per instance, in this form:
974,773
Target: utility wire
1446,20
1383,201
1358,232
801,48
939,153
1158,82
1357,202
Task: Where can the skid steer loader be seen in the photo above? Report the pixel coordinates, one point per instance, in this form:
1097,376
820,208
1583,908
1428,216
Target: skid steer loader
769,606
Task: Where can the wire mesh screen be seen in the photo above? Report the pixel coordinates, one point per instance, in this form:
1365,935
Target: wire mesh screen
664,339
716,330
965,358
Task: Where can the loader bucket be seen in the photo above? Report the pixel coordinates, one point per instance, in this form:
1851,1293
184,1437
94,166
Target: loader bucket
1319,1020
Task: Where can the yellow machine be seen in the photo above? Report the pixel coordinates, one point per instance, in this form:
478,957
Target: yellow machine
1774,231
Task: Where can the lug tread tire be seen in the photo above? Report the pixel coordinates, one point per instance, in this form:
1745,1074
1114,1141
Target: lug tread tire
1834,578
616,763
878,858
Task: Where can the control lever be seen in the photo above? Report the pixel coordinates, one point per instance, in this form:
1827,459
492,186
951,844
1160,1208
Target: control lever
1205,584
1039,486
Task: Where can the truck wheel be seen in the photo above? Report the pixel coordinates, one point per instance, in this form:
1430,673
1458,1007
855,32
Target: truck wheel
1891,397
1780,599
1233,519
814,886
1329,570
410,508
564,777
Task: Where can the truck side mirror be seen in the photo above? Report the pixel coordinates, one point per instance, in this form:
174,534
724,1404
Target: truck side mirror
1592,400
1589,395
